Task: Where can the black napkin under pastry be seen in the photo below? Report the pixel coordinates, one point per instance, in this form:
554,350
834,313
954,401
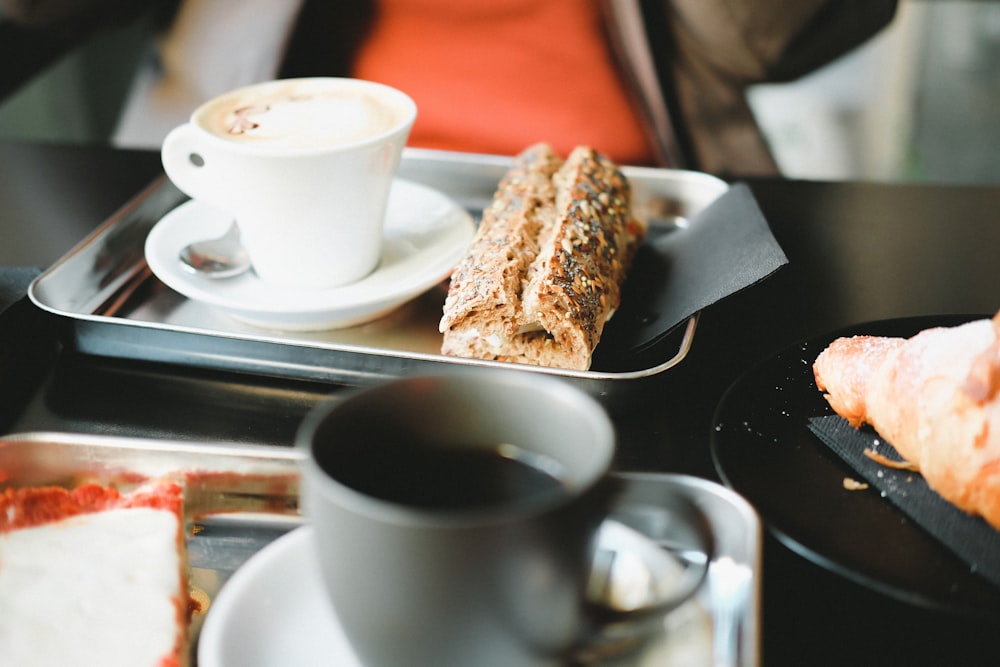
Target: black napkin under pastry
969,537
726,247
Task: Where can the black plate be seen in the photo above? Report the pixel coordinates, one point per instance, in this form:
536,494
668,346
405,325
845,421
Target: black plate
763,449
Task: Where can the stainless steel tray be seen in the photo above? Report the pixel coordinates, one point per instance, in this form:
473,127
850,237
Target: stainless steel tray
117,308
242,497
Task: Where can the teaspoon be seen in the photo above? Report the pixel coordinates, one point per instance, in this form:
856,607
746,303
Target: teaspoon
222,257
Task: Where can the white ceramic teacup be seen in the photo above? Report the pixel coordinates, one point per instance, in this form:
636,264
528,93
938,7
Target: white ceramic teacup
304,166
457,522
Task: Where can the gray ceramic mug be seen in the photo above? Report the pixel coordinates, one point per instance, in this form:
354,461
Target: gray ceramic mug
457,521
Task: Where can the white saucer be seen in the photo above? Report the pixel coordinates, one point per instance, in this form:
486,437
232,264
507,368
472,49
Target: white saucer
426,233
273,611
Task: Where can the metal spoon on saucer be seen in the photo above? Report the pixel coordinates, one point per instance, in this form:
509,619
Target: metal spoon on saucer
222,257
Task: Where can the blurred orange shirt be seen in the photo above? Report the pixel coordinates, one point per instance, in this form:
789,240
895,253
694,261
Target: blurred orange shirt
494,76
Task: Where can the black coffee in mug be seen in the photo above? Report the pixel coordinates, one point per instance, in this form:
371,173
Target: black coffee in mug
409,471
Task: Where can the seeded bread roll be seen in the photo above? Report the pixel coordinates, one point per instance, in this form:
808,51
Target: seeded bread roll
544,272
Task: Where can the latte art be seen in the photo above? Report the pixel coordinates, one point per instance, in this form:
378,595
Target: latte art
293,117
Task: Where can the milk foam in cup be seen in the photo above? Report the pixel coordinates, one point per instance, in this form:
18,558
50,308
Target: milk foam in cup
304,166
293,115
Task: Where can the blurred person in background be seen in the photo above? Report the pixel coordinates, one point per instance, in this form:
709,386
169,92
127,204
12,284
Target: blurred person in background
655,82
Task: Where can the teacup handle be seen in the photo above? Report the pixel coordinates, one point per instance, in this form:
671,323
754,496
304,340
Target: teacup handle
185,155
663,530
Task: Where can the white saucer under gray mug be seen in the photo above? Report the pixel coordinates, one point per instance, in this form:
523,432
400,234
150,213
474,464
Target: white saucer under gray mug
274,611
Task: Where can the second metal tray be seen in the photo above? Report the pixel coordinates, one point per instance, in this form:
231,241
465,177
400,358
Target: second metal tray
117,308
240,498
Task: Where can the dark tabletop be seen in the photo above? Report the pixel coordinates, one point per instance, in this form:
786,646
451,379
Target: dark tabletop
857,252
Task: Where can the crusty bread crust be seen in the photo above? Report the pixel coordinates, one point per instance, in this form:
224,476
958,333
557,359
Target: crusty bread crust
485,289
544,272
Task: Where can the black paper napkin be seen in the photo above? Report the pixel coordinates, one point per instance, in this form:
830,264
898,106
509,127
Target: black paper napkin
969,537
14,282
727,247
